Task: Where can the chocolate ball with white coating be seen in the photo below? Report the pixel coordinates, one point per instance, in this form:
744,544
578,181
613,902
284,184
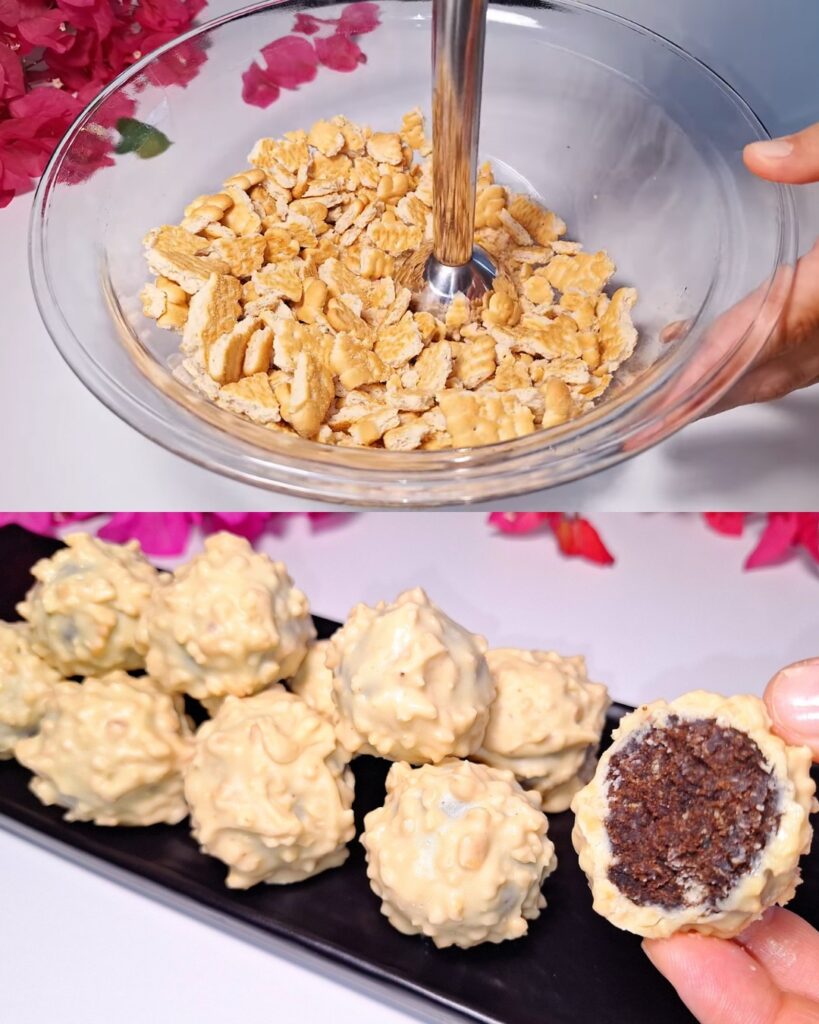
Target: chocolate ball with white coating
229,621
458,853
26,682
545,723
85,606
410,683
695,819
111,750
270,791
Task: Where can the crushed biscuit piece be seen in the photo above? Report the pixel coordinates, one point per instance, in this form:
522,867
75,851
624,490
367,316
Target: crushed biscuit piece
586,272
252,397
355,364
543,225
242,255
311,393
326,137
490,203
214,310
385,148
412,132
475,361
618,335
397,343
226,354
280,279
259,351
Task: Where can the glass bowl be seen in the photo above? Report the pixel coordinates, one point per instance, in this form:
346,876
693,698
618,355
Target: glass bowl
632,141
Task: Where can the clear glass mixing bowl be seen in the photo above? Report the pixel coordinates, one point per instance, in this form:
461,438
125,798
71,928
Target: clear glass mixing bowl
635,143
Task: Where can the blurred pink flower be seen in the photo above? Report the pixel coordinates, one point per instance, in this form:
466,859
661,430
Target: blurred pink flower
168,533
576,537
293,61
784,534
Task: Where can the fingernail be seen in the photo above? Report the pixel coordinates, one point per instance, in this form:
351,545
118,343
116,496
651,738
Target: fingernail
795,699
776,149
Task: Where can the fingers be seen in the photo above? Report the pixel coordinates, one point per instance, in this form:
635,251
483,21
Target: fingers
793,160
717,980
788,949
792,697
721,983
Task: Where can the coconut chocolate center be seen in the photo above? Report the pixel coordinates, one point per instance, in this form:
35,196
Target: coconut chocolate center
691,806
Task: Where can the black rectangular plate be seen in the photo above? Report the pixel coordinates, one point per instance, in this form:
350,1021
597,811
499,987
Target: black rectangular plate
572,967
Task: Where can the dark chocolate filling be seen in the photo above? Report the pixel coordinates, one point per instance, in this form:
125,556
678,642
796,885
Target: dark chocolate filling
691,806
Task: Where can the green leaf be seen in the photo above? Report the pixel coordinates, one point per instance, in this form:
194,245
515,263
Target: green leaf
140,138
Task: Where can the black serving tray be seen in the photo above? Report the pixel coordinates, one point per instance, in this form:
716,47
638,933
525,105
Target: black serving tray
572,968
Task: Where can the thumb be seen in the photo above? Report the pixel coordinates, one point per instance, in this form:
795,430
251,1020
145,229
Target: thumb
792,160
792,697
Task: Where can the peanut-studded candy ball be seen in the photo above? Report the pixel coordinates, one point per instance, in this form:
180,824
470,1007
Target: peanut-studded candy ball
111,750
230,621
458,853
410,683
84,608
545,723
270,791
26,682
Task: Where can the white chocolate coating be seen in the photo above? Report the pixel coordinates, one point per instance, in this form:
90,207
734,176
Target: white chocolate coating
545,723
270,791
410,684
458,852
111,750
776,874
86,603
26,682
229,621
313,682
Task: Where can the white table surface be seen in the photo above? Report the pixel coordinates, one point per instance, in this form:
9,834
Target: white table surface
675,613
70,452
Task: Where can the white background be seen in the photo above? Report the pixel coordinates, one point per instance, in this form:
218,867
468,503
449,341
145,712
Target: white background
676,612
68,451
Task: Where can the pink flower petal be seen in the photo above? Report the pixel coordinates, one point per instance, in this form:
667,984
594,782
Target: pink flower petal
339,52
257,89
159,533
356,19
247,524
12,83
48,30
307,24
808,533
776,541
519,522
730,524
291,61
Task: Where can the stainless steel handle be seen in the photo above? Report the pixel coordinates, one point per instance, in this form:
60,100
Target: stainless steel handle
458,35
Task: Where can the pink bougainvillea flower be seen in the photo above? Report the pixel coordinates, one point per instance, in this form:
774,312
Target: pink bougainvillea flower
307,24
783,534
291,62
356,19
576,537
339,52
731,524
12,82
247,524
521,522
257,89
94,14
160,533
48,30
